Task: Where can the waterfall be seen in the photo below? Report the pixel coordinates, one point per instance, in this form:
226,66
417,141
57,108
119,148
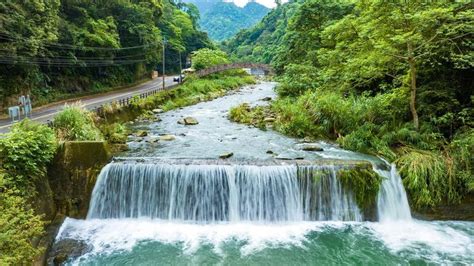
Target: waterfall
208,193
392,202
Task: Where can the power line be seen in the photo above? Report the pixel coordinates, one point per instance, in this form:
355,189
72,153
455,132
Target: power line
76,47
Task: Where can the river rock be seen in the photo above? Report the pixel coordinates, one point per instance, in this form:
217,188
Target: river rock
167,137
141,133
188,121
157,111
311,147
270,152
67,249
269,119
266,99
226,155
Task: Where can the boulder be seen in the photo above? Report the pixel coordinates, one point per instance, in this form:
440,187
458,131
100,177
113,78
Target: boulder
157,111
311,147
141,133
188,121
270,152
226,155
67,249
266,99
167,137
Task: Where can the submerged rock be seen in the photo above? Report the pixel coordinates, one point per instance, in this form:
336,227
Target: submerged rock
167,137
226,155
311,147
266,99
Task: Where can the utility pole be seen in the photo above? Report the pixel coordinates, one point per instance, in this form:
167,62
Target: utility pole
180,68
164,44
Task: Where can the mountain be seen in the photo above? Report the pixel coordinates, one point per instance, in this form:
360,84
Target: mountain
262,42
223,20
203,5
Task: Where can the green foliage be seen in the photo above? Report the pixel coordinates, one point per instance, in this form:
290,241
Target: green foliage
262,42
25,152
424,176
74,123
243,113
115,133
297,79
363,182
224,20
205,58
19,225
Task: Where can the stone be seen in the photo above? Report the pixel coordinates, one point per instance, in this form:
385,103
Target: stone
153,139
67,249
188,121
270,152
141,133
167,137
157,111
266,99
269,119
157,119
226,155
311,147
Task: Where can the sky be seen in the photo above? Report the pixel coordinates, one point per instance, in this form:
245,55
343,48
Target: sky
267,3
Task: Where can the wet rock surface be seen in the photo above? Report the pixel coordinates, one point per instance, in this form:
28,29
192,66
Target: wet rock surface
67,249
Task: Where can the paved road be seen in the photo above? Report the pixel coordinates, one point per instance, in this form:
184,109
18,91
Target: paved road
45,114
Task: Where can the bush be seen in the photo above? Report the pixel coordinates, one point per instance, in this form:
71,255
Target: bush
74,123
206,57
19,225
115,133
25,152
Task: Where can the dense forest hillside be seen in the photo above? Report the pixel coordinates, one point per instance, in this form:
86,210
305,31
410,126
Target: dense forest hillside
224,19
383,78
262,42
51,49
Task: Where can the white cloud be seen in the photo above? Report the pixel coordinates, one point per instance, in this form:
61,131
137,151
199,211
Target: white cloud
267,3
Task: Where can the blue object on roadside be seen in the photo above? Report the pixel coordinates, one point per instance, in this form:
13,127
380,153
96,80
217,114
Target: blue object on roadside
14,113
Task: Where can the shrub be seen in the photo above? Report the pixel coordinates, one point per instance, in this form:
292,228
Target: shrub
74,123
424,175
19,225
115,133
25,152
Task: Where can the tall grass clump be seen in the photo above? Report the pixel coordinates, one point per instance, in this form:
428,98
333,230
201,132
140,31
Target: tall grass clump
74,123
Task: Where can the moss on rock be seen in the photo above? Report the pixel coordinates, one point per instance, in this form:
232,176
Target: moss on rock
363,182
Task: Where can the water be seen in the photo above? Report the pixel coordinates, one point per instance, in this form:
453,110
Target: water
209,193
253,209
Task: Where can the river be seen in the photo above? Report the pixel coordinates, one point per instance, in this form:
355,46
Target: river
174,203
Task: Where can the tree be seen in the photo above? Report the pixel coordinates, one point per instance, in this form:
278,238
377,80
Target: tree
391,40
205,58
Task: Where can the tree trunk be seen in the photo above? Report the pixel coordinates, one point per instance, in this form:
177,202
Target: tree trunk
412,63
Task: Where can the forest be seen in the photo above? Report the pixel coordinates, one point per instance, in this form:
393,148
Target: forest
55,49
391,80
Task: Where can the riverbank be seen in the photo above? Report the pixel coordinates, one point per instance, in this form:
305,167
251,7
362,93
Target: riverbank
433,178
